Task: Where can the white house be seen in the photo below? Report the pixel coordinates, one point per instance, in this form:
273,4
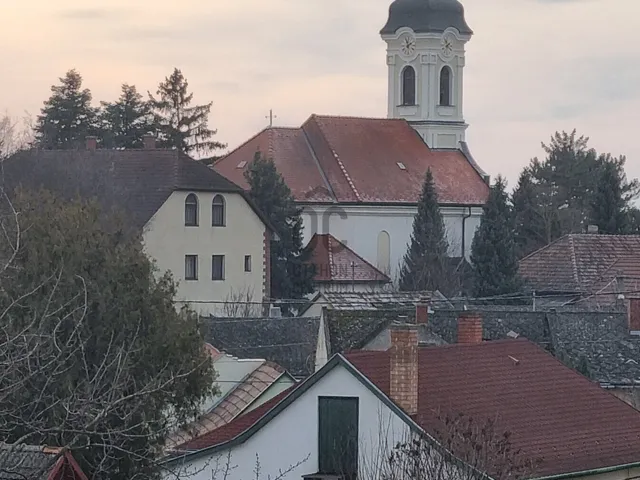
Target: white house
345,420
359,179
196,224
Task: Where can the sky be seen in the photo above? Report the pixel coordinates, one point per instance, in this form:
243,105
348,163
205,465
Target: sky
532,66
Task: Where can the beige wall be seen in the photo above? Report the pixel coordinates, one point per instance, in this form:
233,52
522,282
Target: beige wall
168,240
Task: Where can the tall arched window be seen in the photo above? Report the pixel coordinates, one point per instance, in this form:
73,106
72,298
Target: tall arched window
217,211
408,86
191,211
384,252
445,86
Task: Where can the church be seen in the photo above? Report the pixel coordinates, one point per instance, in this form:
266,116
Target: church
359,179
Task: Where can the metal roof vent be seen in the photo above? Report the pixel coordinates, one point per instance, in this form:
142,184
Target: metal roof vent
401,165
242,164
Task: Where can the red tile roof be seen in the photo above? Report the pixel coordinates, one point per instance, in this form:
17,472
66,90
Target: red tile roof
553,413
336,262
582,263
348,159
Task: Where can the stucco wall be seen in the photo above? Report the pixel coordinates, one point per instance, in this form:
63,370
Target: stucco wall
360,226
168,240
292,436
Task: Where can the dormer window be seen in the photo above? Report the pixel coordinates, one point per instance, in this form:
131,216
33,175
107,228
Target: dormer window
217,211
445,86
191,210
408,86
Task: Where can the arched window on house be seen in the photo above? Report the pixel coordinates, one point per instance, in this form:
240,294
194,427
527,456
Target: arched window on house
191,210
445,86
408,86
217,211
384,252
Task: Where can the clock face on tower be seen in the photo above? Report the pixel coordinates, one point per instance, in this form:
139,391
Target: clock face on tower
408,45
447,46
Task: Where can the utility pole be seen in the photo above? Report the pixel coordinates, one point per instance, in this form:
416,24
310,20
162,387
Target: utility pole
271,116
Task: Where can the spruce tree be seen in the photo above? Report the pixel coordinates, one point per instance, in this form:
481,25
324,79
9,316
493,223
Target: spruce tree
530,226
424,265
608,207
124,122
67,117
291,277
180,125
493,252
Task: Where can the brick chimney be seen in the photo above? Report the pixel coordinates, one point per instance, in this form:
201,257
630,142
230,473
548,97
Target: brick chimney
469,328
91,143
422,311
634,316
149,141
404,367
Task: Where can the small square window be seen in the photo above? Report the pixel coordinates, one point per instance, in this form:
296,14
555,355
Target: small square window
217,267
247,263
190,267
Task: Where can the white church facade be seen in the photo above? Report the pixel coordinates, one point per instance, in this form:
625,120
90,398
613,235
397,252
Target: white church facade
359,179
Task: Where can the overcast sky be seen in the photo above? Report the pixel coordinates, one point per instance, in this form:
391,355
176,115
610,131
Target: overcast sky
533,66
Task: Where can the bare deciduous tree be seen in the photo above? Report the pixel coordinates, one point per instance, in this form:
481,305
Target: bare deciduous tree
240,304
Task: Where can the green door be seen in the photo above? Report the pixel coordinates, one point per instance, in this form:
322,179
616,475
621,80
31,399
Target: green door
338,436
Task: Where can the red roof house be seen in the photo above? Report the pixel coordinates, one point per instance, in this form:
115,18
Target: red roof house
562,423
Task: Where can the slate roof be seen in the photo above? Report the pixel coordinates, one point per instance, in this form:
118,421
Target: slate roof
288,341
371,301
582,263
425,16
136,181
355,160
335,262
553,414
29,462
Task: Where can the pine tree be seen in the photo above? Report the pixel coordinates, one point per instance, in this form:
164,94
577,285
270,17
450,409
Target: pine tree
181,126
291,277
124,122
608,207
534,227
424,264
493,252
67,117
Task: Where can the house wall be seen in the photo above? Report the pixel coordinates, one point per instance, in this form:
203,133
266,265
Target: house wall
292,436
362,227
168,240
628,395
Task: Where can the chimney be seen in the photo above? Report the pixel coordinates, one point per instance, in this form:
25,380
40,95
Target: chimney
634,316
593,229
149,141
469,328
422,312
404,367
92,143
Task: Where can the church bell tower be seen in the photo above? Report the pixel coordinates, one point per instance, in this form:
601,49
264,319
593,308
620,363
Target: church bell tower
426,56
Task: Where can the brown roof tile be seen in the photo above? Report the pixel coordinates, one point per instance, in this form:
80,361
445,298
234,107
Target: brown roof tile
349,159
584,263
336,262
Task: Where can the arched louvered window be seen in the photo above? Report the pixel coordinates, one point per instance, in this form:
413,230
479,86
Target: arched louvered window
445,86
408,86
217,211
191,210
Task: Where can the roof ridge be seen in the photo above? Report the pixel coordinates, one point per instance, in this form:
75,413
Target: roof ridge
330,254
343,168
357,117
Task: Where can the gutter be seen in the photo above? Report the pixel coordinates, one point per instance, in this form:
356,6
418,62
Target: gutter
464,236
594,471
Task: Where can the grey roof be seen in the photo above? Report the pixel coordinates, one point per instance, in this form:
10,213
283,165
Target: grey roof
424,16
135,181
597,343
24,462
372,301
288,341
